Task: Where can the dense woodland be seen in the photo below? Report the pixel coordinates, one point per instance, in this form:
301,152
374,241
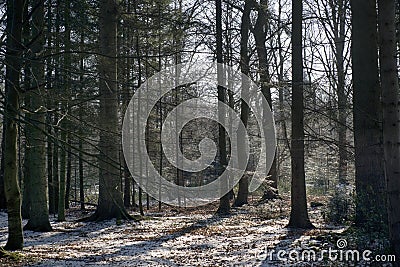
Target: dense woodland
328,70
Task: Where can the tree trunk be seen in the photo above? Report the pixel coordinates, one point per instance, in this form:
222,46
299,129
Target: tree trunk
126,99
57,85
110,204
64,110
243,191
49,115
298,215
55,154
50,165
138,54
391,116
35,154
224,205
26,190
13,69
370,209
126,173
3,202
80,170
260,36
339,31
26,205
69,173
80,145
63,165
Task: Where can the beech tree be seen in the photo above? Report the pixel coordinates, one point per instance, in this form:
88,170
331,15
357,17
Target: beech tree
224,205
391,117
13,71
71,67
298,215
243,191
332,16
369,172
260,35
110,203
35,154
3,203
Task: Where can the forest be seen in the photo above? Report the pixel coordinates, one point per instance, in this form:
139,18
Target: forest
199,133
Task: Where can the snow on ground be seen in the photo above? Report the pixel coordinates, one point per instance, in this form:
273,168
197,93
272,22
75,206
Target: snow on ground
185,238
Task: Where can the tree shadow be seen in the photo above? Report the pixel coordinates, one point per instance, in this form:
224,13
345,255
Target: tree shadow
268,256
146,247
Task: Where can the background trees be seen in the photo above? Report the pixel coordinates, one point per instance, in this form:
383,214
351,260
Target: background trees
70,67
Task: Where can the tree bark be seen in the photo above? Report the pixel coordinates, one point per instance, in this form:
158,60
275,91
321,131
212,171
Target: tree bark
35,154
56,106
55,154
64,108
80,145
50,186
298,215
260,37
69,173
370,208
126,98
13,68
243,191
63,165
49,115
391,116
3,202
224,205
26,205
110,204
139,63
80,170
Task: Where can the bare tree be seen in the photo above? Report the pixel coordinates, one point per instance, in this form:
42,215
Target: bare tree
260,35
244,108
370,183
332,17
224,205
110,204
13,69
35,155
391,116
298,215
3,202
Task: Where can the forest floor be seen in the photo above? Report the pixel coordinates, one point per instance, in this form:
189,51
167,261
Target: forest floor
182,237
